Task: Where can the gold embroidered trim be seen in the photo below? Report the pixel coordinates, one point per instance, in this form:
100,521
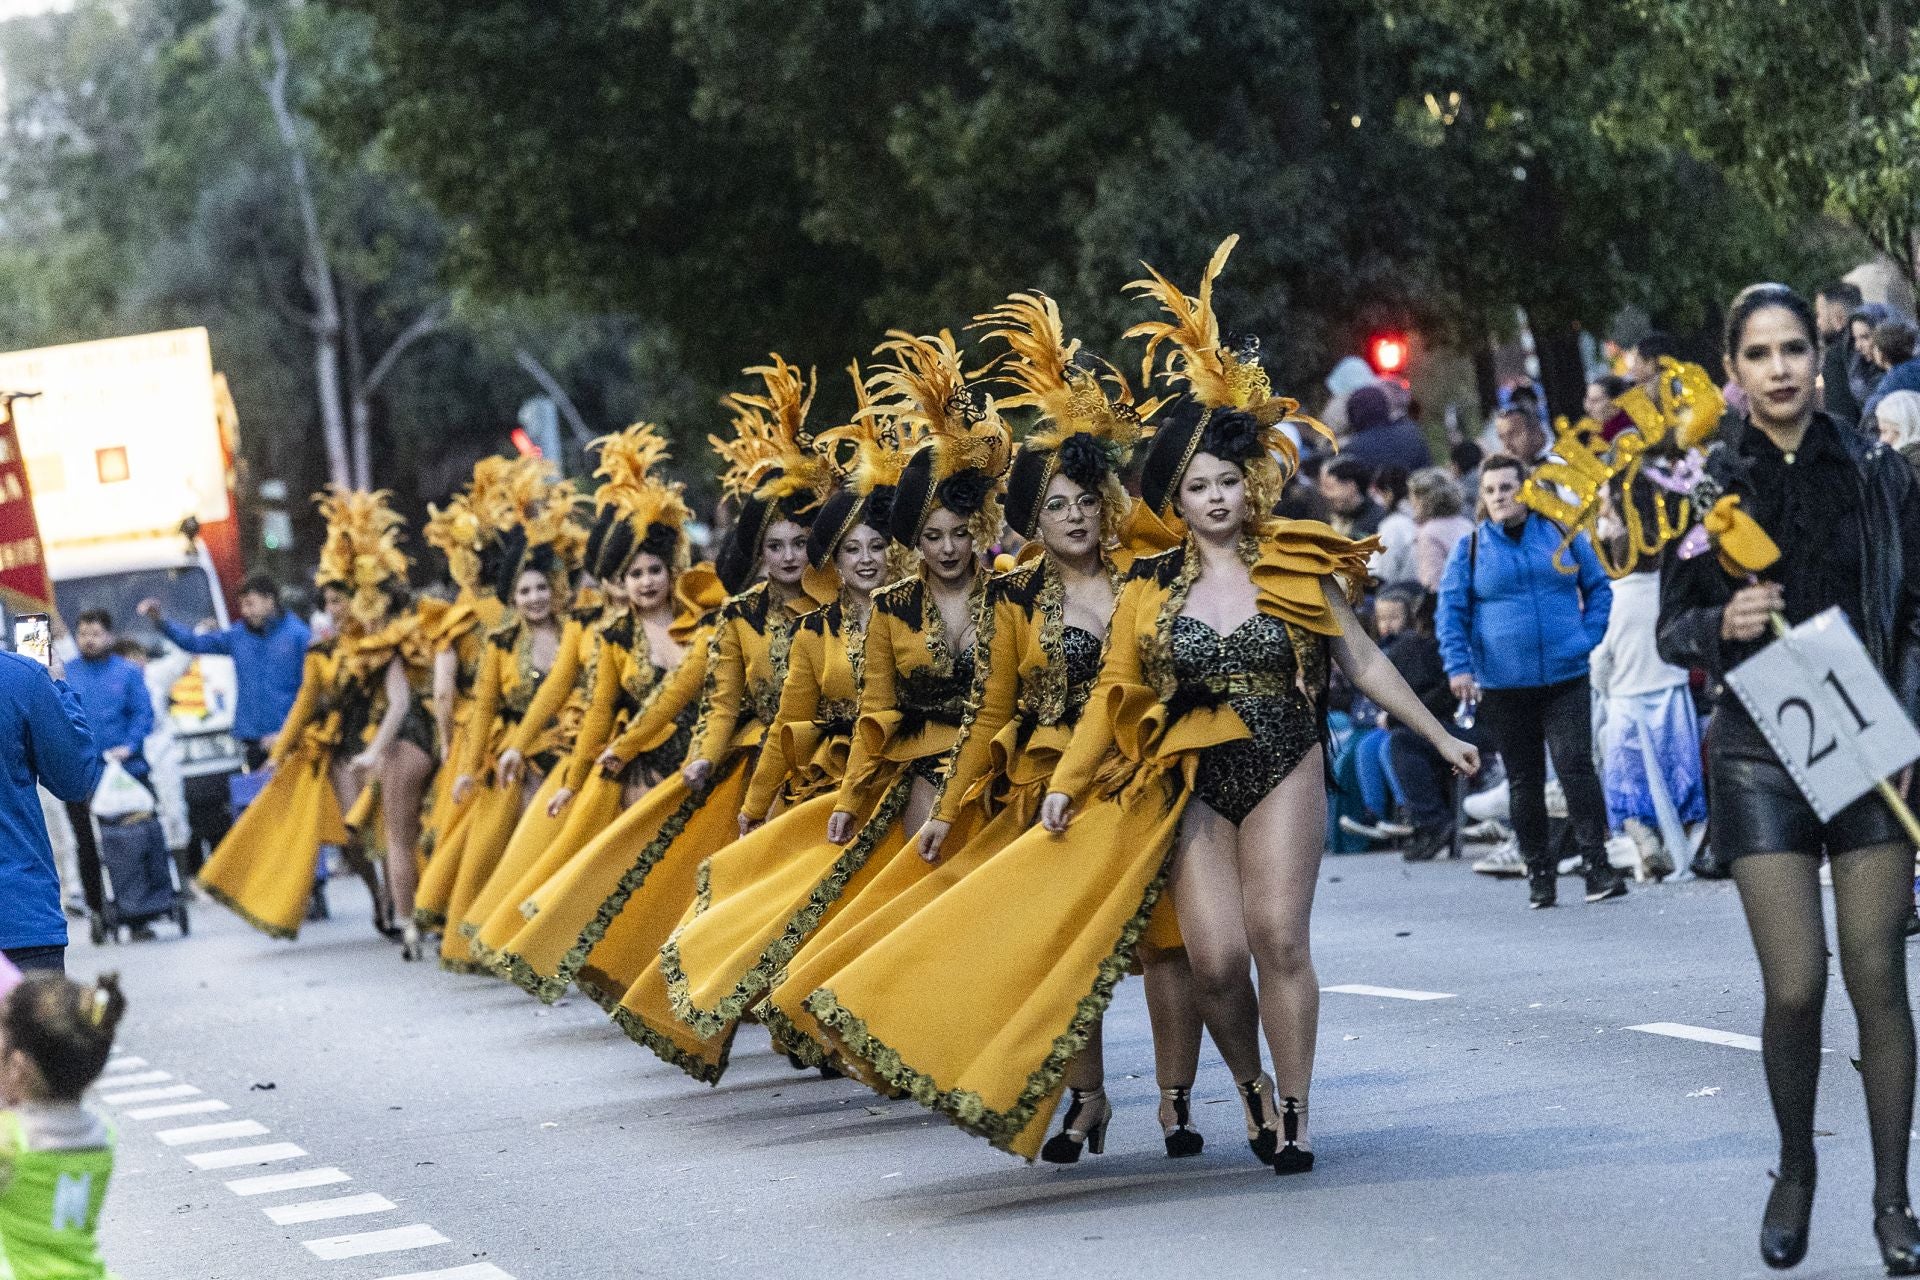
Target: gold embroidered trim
641,1034
964,1107
766,972
228,901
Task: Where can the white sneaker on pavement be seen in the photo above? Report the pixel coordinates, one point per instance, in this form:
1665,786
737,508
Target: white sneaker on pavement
1505,860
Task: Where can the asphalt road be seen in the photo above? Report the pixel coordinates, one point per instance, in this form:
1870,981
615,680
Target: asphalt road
1519,1127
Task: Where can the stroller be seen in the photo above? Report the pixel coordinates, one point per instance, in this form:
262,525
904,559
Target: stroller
139,881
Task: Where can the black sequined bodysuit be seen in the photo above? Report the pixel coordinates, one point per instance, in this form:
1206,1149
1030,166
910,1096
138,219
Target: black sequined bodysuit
1254,670
1081,649
925,698
672,753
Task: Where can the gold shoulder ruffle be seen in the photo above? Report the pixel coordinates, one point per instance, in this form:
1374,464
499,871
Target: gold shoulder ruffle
698,592
1292,556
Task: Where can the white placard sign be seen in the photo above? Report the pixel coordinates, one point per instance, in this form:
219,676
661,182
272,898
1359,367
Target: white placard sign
1827,712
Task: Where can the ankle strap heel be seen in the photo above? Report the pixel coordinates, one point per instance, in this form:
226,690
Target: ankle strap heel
1292,1157
1256,1096
1181,1137
1083,1128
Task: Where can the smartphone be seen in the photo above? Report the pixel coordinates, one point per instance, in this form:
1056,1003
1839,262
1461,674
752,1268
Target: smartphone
33,637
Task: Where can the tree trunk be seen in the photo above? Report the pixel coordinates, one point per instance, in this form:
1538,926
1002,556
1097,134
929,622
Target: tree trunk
316,269
359,411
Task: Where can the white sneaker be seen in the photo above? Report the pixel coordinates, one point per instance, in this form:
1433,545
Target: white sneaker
1572,865
1622,853
1488,805
1505,860
1482,832
1653,861
1354,827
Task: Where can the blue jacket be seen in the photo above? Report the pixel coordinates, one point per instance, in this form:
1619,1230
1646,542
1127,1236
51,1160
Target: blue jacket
266,669
1521,623
114,693
44,739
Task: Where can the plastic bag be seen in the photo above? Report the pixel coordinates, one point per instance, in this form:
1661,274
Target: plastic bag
120,795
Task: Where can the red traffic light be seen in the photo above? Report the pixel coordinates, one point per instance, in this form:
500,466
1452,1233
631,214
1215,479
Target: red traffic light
523,443
1387,353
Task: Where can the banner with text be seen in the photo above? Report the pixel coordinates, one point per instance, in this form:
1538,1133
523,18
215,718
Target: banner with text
23,566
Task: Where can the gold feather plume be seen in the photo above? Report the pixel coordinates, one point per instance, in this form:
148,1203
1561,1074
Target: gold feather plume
1071,398
926,389
1217,377
627,462
769,432
880,442
362,548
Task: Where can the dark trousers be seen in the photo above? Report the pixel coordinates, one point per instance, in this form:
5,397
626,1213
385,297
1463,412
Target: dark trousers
1524,725
86,855
1424,779
42,959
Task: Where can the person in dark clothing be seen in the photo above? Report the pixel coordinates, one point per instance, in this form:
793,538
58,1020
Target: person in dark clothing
1845,513
119,711
269,651
1423,780
1893,350
1643,364
1351,510
1835,303
44,740
1376,438
1863,375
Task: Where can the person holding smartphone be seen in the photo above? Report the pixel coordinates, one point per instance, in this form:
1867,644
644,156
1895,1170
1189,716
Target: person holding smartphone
44,739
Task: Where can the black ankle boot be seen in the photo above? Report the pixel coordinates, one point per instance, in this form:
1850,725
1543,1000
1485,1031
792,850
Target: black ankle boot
1783,1227
1899,1239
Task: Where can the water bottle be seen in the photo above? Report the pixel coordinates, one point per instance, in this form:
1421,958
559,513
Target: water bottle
1463,714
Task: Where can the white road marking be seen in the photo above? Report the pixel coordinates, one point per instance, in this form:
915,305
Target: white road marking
472,1271
269,1183
1388,993
139,1077
200,1108
392,1240
285,1215
149,1095
125,1064
234,1157
1705,1035
211,1132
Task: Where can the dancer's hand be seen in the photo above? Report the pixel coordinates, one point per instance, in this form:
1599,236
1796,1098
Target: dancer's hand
610,764
839,827
932,836
462,788
1747,615
696,773
1056,811
510,768
1462,757
750,825
561,799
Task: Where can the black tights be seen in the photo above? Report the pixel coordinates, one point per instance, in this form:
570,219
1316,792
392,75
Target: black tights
1872,890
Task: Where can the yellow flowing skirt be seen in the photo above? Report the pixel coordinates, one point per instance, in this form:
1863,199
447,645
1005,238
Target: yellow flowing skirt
591,813
477,844
263,870
769,893
572,913
976,1003
439,812
531,837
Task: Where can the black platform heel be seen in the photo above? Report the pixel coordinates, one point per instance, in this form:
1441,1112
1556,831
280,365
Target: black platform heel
1291,1157
1083,1128
1256,1096
1182,1138
1783,1227
1899,1238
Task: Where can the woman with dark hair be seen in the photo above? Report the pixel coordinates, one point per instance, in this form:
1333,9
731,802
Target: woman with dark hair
501,771
918,665
602,917
1043,630
360,710
748,889
636,552
1843,511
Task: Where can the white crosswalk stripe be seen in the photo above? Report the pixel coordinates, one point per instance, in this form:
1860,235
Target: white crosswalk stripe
234,1157
272,1183
149,1095
211,1132
417,1236
285,1215
197,1108
138,1077
1388,993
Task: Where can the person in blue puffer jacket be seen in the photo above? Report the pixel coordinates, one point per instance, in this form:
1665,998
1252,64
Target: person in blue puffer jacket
1515,632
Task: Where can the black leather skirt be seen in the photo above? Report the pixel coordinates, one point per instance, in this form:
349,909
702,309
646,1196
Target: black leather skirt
1756,808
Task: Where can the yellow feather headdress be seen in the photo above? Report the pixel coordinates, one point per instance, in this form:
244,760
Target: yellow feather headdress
879,440
640,498
1216,377
1072,398
473,518
771,456
927,390
362,549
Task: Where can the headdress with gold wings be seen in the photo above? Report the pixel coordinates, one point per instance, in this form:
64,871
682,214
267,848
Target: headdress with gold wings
1219,379
361,554
964,461
646,512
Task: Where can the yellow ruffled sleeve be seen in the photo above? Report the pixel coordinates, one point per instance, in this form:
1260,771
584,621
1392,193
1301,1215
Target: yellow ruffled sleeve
1293,556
